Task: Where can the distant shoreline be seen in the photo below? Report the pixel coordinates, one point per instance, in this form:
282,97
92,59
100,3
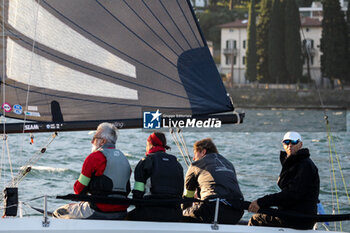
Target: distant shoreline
289,98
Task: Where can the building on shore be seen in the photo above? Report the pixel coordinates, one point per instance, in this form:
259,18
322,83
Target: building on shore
234,44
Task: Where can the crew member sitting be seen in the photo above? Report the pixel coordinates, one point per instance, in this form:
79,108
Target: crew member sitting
300,186
106,172
212,176
165,174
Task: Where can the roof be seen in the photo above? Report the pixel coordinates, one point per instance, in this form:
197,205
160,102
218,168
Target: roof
305,22
310,22
235,24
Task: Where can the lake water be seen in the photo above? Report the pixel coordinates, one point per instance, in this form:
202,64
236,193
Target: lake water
253,147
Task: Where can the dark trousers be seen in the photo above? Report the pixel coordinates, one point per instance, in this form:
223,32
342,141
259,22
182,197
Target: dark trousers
268,220
205,212
155,213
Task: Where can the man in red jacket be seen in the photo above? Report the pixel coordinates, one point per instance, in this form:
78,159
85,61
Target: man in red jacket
105,172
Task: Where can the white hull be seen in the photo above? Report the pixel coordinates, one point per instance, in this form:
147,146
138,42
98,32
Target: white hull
34,224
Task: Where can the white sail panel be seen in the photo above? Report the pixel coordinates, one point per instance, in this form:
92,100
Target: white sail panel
29,68
33,21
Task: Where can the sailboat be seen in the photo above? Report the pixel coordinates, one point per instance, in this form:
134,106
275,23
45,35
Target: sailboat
68,65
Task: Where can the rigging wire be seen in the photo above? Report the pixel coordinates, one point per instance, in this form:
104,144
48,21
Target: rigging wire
2,175
3,88
9,156
3,66
333,173
30,71
340,170
330,145
183,143
27,167
176,140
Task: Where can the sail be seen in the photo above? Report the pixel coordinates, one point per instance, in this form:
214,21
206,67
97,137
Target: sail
82,62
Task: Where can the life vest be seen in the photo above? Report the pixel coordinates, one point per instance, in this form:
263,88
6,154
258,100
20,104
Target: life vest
167,175
115,178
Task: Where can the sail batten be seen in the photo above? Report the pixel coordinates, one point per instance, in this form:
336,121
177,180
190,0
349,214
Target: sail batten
163,26
85,66
28,69
112,47
135,34
48,24
185,17
154,32
102,60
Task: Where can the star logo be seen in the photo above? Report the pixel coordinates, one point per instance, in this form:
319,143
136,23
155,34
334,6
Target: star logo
151,120
156,115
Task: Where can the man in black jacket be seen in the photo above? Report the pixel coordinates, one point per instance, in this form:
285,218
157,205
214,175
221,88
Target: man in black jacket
299,183
165,175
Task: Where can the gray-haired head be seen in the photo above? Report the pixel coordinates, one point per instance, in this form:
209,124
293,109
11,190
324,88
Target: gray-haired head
108,131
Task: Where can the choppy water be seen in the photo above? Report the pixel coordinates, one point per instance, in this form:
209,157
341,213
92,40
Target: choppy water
252,147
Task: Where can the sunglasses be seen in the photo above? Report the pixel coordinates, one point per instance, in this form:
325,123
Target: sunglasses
96,137
293,142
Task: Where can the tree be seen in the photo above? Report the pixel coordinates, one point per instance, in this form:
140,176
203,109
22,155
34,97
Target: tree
251,57
209,21
304,3
277,65
262,41
334,42
292,46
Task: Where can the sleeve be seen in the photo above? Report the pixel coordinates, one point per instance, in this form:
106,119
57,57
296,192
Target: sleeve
142,172
191,182
90,165
294,191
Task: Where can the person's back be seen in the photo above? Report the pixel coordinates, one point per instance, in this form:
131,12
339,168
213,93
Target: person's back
212,176
166,168
105,172
216,177
166,181
114,181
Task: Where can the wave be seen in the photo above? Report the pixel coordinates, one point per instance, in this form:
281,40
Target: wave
46,168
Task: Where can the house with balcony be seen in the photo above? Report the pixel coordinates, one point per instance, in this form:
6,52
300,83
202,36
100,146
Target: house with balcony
234,47
233,50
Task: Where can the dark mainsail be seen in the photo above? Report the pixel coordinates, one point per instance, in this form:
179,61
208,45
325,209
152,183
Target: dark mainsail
69,65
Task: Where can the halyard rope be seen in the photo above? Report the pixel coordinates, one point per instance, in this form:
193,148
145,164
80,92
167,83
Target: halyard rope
330,145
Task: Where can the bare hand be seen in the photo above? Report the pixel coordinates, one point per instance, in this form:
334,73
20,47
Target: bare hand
254,207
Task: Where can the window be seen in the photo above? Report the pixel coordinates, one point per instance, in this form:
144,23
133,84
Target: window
228,60
244,42
311,60
243,60
308,43
231,44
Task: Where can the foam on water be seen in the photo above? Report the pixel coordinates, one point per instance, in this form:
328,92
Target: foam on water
49,169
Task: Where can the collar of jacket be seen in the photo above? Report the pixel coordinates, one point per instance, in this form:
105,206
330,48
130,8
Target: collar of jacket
300,155
108,145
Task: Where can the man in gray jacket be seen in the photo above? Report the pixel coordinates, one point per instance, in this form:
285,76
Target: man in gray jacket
212,176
